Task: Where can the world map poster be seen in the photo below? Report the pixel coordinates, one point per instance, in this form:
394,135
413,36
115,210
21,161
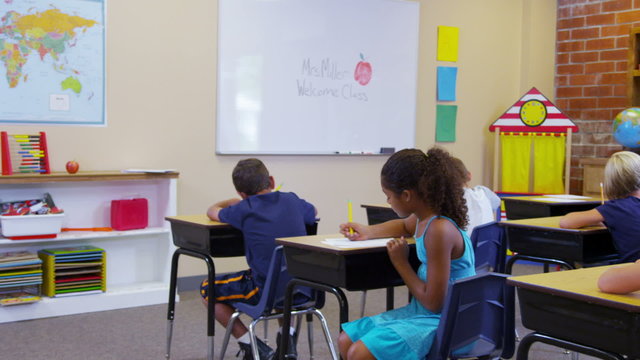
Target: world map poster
52,62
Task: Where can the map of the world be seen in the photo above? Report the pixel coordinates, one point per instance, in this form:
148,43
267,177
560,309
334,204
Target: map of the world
52,62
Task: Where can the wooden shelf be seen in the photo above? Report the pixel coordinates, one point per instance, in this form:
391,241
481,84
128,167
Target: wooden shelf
83,176
633,70
138,261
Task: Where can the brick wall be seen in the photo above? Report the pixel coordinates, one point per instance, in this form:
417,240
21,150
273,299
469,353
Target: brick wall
591,73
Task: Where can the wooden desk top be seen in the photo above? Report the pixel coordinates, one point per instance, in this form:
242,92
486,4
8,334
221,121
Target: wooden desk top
315,243
550,223
552,200
579,284
200,220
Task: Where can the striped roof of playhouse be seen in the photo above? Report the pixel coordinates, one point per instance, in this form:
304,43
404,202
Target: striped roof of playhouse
555,120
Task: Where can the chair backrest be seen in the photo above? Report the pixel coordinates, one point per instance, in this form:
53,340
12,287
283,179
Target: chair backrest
275,285
478,319
489,247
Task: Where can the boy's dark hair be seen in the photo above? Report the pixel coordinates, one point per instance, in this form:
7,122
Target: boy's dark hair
250,176
433,176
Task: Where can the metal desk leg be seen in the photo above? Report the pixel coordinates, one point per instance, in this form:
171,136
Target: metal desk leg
172,299
286,318
545,261
529,339
390,291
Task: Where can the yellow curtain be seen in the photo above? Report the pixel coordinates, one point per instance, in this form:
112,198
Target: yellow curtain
516,161
548,164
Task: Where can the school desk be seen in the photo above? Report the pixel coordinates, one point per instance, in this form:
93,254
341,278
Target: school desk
379,213
197,236
524,207
566,309
313,263
543,240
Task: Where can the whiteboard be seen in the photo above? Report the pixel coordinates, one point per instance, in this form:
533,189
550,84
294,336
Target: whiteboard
292,78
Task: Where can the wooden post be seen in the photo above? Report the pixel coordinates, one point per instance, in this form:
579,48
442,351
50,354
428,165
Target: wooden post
567,161
496,159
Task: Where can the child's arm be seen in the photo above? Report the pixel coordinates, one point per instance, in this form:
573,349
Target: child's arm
214,210
442,235
621,279
579,219
391,228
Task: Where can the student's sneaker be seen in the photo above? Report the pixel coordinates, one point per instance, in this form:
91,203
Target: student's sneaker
265,352
292,352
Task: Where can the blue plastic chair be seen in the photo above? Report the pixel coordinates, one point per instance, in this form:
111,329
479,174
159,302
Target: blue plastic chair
490,247
478,320
270,305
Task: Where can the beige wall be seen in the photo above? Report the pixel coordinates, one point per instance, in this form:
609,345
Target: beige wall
161,94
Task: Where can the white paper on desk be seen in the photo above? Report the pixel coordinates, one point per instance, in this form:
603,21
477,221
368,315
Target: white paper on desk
563,200
568,196
348,244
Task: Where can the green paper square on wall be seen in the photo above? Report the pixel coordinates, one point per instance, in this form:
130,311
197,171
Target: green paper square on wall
446,123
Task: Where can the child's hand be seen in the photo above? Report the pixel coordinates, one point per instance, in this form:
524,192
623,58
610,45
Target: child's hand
398,250
359,231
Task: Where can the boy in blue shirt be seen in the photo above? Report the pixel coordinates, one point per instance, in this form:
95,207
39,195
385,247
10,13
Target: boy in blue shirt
262,215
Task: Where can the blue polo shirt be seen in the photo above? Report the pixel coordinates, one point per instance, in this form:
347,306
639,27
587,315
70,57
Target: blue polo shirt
622,218
262,219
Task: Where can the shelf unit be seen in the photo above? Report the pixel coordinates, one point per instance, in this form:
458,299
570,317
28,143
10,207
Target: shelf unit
138,261
633,68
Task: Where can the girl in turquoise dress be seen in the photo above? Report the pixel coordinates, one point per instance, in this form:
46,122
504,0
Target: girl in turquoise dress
426,191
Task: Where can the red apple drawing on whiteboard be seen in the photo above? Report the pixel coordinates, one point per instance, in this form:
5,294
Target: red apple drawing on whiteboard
363,72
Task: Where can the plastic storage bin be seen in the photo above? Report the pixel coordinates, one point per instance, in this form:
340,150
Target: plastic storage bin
31,225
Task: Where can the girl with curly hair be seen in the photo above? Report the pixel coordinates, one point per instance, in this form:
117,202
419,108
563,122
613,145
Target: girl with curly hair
426,191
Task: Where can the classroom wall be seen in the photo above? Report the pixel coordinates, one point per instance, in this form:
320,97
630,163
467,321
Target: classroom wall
161,94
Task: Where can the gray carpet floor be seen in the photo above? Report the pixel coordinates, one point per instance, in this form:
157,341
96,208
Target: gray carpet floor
140,333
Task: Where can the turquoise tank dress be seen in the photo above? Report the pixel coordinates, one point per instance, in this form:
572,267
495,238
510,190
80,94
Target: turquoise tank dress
408,332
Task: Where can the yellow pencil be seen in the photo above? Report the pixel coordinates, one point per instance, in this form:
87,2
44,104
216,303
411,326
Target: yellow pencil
278,188
601,194
350,211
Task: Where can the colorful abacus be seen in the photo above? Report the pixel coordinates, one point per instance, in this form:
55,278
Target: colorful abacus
24,153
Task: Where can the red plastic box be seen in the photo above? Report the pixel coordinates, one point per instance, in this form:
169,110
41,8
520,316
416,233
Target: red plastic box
129,214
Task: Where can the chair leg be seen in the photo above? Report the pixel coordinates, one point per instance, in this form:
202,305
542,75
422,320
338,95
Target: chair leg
227,334
266,332
363,301
254,340
327,335
309,317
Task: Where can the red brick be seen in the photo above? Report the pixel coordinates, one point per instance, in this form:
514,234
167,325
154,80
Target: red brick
621,66
612,102
600,44
572,114
620,90
571,23
613,78
570,46
576,138
627,17
564,12
563,35
569,92
599,67
562,59
598,90
585,9
585,33
575,186
595,114
622,42
614,54
616,5
583,103
583,150
583,79
579,57
601,19
570,69
615,30
607,150
562,103
636,3
561,81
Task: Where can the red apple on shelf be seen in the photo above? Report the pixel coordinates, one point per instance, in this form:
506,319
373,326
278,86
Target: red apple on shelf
363,72
72,167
